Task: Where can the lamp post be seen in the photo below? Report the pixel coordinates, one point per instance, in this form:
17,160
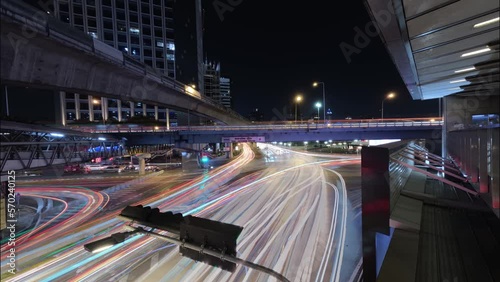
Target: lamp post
318,105
389,96
298,99
315,84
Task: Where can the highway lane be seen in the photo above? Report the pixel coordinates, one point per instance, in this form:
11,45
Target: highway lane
294,213
76,207
64,258
295,216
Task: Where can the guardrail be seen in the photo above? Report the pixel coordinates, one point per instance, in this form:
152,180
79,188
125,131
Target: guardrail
35,20
342,124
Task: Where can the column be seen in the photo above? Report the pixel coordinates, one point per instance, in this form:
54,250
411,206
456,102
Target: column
142,166
119,105
132,109
104,108
78,115
444,130
91,108
62,99
144,110
156,112
6,101
167,113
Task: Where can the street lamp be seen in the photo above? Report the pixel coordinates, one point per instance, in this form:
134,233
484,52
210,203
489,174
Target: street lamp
315,84
318,105
298,99
389,96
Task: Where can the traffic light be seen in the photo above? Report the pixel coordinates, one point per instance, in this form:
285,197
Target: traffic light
153,218
204,159
214,235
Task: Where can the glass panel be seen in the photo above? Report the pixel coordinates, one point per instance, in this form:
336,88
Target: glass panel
108,36
77,9
106,12
91,22
146,30
134,39
78,20
107,24
120,15
145,8
132,6
120,4
91,12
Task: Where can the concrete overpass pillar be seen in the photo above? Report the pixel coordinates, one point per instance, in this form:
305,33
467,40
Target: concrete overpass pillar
229,154
62,100
119,105
144,110
104,108
156,112
132,109
78,115
167,113
142,166
91,107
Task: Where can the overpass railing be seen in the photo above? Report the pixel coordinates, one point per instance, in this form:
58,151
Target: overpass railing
334,124
35,20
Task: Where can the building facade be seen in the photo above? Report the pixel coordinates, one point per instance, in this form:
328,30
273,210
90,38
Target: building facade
142,29
225,92
216,87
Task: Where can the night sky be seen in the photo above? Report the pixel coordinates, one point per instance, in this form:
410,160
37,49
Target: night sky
274,49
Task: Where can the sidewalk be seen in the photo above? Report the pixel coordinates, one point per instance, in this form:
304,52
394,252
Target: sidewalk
441,234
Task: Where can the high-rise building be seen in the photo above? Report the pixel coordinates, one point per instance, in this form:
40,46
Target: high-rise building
142,29
212,80
225,92
216,87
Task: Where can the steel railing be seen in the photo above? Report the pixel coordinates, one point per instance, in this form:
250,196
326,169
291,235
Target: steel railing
342,124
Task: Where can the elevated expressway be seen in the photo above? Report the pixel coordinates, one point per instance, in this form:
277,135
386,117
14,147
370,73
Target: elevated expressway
39,51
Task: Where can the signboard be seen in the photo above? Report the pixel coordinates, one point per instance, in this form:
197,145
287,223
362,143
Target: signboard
244,139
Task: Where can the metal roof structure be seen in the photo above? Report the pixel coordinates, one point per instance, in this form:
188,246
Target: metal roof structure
441,47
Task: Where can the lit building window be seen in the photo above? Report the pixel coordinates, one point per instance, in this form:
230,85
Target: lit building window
171,57
159,43
134,30
171,46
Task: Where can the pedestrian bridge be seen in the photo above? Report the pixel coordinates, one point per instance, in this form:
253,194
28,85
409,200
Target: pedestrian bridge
283,131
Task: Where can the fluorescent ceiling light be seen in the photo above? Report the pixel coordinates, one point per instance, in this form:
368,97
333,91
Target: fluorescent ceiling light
476,52
464,70
481,24
457,81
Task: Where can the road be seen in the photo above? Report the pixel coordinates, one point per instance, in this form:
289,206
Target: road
298,218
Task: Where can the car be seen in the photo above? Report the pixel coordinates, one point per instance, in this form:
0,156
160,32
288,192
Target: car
113,168
93,168
152,168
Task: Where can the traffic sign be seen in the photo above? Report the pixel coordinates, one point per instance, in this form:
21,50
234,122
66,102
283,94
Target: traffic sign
244,139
